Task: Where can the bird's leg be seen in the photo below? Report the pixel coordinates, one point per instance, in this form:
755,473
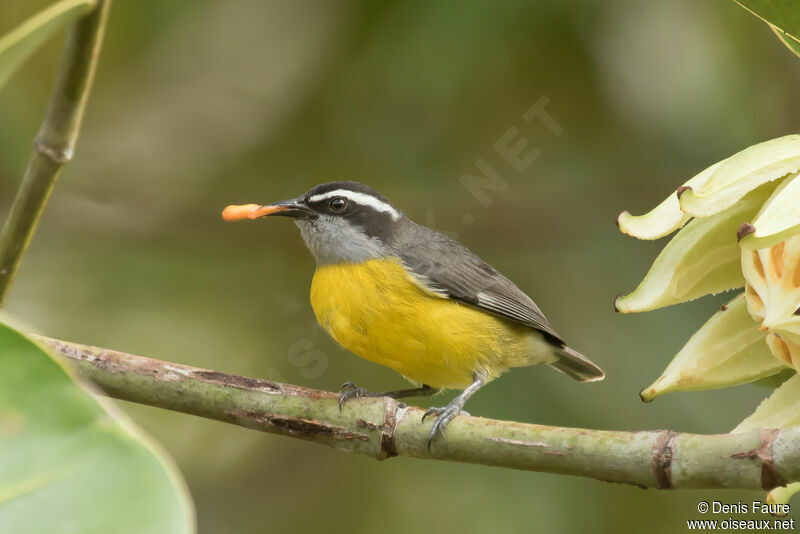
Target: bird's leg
447,413
351,391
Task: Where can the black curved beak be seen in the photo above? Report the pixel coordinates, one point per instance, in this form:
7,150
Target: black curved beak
295,208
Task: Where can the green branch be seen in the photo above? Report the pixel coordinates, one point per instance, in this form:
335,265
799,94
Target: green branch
55,143
382,428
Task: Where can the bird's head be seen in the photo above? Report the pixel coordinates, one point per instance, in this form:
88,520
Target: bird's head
339,221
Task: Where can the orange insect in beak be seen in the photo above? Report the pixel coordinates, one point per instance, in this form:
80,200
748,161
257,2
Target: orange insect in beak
287,208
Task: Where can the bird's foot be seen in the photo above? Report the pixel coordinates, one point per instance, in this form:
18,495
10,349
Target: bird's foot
350,390
443,417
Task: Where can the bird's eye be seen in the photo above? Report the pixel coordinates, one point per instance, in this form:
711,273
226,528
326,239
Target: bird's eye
338,204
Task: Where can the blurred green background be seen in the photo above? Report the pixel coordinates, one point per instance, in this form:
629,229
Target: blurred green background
199,104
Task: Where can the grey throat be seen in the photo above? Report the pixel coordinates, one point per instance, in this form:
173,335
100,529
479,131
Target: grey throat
335,240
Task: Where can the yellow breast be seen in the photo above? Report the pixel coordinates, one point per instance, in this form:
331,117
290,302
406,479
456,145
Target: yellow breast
379,312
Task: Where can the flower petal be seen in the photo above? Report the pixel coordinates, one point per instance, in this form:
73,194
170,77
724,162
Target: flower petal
773,279
782,495
702,258
779,410
666,217
741,173
773,296
779,219
784,347
728,350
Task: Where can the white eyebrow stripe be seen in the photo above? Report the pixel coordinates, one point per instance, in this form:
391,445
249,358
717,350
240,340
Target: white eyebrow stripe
359,198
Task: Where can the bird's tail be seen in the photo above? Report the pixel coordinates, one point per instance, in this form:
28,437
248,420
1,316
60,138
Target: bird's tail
575,365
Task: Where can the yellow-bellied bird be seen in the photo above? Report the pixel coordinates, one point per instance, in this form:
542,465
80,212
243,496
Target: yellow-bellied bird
408,297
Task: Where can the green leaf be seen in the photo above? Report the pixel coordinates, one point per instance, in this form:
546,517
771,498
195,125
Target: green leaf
728,350
779,218
702,258
17,45
790,43
68,465
782,17
742,173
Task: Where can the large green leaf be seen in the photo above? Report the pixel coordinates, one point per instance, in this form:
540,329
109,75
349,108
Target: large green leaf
68,465
790,43
22,41
782,16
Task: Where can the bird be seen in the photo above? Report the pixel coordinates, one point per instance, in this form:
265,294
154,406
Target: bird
405,296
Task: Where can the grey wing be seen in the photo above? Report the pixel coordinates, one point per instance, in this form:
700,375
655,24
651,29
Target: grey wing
451,269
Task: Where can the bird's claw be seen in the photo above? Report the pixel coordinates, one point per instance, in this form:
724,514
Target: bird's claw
350,390
438,411
444,416
431,411
347,385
